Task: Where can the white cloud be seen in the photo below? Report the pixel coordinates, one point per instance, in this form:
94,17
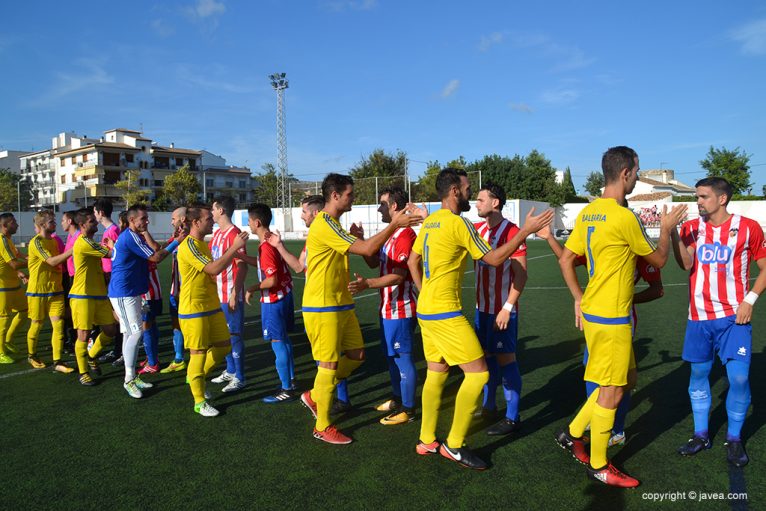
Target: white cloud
450,89
521,107
88,75
488,41
161,28
208,79
207,8
752,37
559,96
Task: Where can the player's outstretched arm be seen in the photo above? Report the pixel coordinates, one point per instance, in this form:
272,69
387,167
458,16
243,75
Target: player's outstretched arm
532,224
745,310
546,233
274,238
681,252
217,266
403,218
358,231
668,222
416,269
58,259
567,263
360,283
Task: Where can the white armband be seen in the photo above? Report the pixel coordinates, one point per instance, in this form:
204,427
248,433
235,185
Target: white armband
751,297
509,306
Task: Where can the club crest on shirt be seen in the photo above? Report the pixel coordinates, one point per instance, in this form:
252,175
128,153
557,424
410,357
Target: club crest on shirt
733,233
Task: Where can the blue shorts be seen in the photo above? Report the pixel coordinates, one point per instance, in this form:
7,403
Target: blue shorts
397,334
722,336
235,319
276,318
151,309
173,306
496,341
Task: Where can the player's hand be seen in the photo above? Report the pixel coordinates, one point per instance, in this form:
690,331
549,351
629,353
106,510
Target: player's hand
502,319
233,299
248,295
181,235
358,285
410,215
23,277
273,238
109,242
544,233
578,315
241,240
670,219
532,223
744,313
421,211
357,230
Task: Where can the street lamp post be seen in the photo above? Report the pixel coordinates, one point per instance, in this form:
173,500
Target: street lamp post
279,83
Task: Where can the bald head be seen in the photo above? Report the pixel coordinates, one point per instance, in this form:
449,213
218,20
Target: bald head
178,218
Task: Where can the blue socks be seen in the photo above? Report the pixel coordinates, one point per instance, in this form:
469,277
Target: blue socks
289,346
151,343
407,376
490,389
395,377
237,352
342,389
738,397
178,345
282,356
699,394
511,389
622,413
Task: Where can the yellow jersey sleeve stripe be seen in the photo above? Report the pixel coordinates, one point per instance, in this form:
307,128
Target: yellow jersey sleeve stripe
480,242
96,246
339,230
7,247
41,249
196,253
643,230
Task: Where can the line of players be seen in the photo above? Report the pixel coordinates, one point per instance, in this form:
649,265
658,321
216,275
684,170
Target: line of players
432,262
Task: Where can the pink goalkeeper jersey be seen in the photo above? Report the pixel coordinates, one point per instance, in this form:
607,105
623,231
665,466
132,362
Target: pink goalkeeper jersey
111,233
494,283
70,239
719,278
397,302
220,243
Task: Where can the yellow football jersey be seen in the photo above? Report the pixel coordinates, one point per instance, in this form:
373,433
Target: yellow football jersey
199,293
327,274
611,236
88,274
44,280
444,242
9,278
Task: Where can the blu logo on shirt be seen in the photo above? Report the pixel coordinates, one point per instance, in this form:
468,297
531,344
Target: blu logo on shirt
714,254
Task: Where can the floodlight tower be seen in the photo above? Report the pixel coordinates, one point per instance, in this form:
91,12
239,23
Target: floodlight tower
279,83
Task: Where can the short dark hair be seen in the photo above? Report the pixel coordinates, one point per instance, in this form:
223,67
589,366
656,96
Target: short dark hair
447,178
719,185
260,212
495,192
70,214
227,204
5,218
615,159
103,206
335,183
134,209
82,216
397,195
313,200
123,220
194,211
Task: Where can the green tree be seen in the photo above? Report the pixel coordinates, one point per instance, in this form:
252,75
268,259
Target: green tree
267,189
179,189
377,171
594,183
732,165
10,184
530,178
567,184
132,192
424,189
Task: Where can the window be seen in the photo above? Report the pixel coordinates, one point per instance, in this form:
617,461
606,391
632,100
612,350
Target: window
242,197
229,184
179,162
158,182
242,183
143,182
63,177
129,158
209,182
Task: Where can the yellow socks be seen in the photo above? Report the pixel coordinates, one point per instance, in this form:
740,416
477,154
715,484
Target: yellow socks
432,400
19,319
583,417
196,376
81,352
5,321
600,430
101,341
215,355
57,338
324,385
32,335
465,404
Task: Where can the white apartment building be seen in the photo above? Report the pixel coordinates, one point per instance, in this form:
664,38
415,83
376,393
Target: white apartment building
77,170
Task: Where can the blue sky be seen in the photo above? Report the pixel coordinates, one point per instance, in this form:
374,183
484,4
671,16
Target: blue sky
435,79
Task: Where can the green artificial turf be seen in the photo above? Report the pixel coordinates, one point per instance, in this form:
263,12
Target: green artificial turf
65,446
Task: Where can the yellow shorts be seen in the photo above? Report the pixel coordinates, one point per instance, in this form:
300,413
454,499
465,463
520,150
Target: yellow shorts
331,333
12,301
87,312
451,340
201,332
43,307
610,353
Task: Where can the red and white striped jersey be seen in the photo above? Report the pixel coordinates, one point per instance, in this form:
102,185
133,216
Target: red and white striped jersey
397,302
155,290
220,243
271,264
494,283
719,278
